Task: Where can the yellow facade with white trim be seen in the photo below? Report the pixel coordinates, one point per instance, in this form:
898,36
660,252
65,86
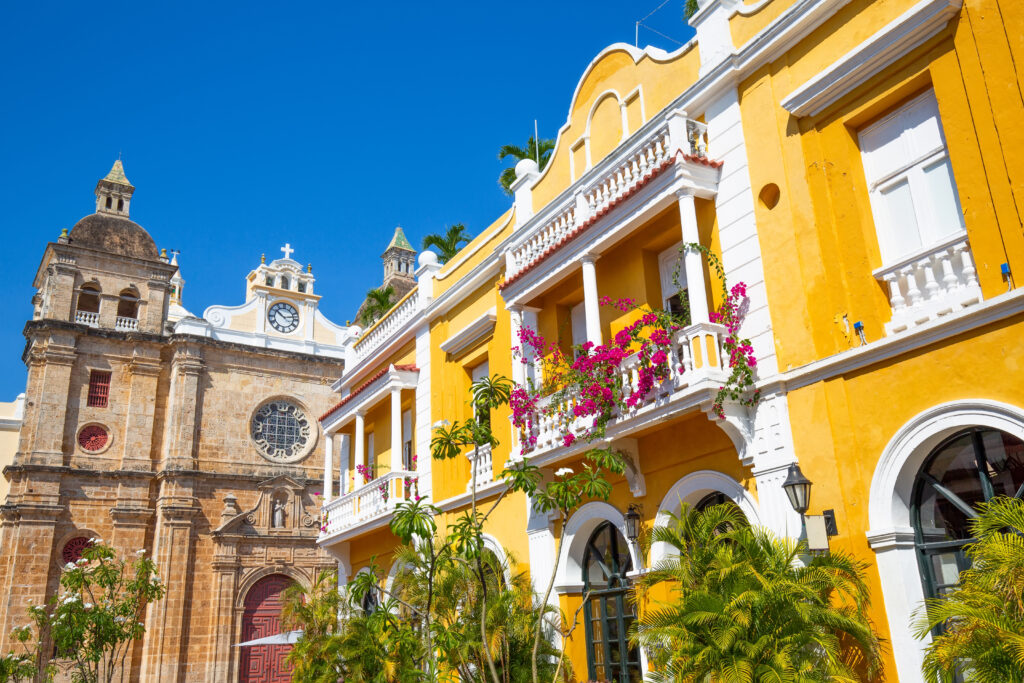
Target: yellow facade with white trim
785,88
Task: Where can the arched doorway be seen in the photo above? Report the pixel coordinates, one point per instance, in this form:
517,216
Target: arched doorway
968,468
262,618
608,613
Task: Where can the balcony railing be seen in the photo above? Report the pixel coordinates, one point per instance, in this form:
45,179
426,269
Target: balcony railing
695,356
484,467
388,325
608,182
375,500
932,283
87,318
127,324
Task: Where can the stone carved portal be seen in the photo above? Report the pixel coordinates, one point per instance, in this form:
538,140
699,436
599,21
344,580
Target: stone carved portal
262,618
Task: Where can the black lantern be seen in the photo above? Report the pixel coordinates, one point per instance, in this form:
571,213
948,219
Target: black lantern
632,523
798,489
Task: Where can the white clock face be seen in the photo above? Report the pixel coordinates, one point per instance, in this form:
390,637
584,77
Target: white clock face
283,317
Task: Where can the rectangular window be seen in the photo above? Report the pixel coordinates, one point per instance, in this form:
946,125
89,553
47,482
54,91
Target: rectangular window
673,281
99,388
407,440
578,321
371,456
913,195
479,372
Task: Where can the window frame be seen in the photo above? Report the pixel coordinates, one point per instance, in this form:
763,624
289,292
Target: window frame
98,393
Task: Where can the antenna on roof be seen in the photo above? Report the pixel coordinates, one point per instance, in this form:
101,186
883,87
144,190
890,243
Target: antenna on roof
536,144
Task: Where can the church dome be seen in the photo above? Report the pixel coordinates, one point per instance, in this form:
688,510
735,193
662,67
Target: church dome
115,235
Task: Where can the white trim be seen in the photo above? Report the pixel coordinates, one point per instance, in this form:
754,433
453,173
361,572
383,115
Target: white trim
470,334
891,535
690,490
578,529
494,545
895,40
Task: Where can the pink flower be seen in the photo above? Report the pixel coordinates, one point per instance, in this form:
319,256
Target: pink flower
569,439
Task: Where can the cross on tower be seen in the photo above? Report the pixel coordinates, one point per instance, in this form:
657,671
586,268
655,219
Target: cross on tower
287,249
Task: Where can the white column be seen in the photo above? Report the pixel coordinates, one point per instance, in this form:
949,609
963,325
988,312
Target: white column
360,438
396,429
693,260
591,306
328,466
518,367
344,462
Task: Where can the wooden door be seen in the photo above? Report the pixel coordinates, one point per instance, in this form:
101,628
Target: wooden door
261,618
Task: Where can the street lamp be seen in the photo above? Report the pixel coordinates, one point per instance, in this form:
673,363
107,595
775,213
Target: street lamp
798,489
632,523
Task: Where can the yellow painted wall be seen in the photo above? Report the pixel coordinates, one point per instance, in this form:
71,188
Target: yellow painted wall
8,441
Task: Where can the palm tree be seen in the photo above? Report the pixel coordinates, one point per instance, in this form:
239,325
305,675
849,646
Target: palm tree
982,619
315,611
449,244
378,302
743,607
508,176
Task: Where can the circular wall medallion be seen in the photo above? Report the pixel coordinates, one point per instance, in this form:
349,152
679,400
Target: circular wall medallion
93,438
73,549
282,431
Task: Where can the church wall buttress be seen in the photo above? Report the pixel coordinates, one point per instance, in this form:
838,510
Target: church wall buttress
223,616
179,451
28,547
143,374
46,410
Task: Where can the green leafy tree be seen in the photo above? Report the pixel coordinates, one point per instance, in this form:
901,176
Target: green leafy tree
315,657
378,302
18,666
530,151
98,613
448,244
744,608
980,623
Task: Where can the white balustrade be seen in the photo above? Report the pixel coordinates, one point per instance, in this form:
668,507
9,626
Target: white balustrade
369,501
87,318
392,321
931,283
696,357
126,324
484,467
600,188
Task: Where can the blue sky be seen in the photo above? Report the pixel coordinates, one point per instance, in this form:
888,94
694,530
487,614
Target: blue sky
245,126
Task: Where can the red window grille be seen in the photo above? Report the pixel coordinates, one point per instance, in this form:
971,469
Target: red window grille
99,389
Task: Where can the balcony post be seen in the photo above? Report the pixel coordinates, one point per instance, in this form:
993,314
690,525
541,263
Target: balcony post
344,462
360,442
591,306
396,429
518,365
328,466
693,261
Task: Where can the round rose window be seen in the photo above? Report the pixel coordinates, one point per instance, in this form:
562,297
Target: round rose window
282,431
73,549
93,438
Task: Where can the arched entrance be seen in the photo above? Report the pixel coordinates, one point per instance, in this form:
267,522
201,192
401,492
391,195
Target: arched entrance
262,618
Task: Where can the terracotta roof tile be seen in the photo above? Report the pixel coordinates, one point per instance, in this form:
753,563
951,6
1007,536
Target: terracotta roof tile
355,392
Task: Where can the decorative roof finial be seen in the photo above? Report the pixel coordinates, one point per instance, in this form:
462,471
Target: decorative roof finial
263,258
309,267
287,249
63,239
163,255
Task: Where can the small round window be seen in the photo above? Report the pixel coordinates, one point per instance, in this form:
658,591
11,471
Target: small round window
93,438
74,548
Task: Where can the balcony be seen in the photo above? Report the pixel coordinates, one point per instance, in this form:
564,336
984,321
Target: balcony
484,468
382,331
87,318
697,367
368,507
931,283
126,324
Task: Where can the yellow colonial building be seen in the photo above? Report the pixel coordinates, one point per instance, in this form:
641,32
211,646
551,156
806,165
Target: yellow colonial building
855,163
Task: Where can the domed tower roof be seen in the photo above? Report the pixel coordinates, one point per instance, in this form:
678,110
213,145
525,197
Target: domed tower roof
110,229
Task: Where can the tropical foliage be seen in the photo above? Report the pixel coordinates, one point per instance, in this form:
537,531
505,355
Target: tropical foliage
745,606
448,244
980,623
315,657
531,151
378,302
96,617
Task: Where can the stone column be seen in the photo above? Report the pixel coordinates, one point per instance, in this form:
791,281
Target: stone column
328,466
222,614
591,305
396,430
51,363
27,562
164,646
693,260
180,441
143,378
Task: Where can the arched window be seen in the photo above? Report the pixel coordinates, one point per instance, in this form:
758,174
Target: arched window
120,205
968,468
608,613
89,299
284,283
128,304
713,498
110,201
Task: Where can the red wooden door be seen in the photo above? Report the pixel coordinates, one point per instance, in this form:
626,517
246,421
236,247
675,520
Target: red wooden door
261,618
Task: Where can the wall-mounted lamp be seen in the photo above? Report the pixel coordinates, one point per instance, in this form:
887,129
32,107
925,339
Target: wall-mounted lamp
632,517
1004,268
798,489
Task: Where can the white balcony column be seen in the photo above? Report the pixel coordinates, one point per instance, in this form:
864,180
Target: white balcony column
518,365
591,305
360,441
693,260
396,430
328,466
344,462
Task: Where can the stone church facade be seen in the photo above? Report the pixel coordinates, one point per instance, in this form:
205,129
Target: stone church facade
194,439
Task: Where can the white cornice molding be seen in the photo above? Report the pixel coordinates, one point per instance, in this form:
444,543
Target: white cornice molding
470,334
905,33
